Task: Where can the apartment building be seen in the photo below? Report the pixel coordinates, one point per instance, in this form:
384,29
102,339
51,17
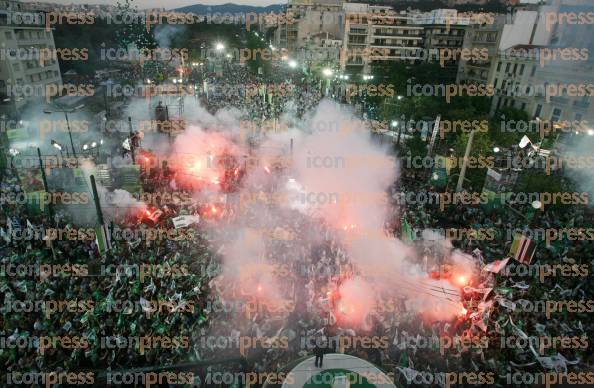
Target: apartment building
480,38
443,31
522,77
310,17
374,34
515,69
22,72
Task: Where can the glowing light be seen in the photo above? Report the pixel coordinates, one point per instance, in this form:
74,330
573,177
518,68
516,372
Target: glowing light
197,166
148,213
259,288
267,170
327,72
462,280
220,46
236,171
146,159
292,64
463,311
213,208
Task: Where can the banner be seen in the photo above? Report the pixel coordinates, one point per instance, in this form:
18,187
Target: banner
522,249
184,221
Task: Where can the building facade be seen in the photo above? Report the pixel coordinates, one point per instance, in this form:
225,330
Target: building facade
28,61
374,34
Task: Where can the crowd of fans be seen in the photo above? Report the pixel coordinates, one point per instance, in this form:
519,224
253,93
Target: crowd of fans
315,268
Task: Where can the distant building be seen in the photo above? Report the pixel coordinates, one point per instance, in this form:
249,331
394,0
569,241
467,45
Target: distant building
443,37
310,17
521,77
481,39
374,34
23,73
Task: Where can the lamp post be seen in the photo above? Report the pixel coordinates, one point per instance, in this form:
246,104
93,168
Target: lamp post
66,111
465,161
59,146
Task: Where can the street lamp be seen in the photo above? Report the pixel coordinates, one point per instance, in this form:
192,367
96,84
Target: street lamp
219,46
66,111
292,64
57,145
496,149
327,72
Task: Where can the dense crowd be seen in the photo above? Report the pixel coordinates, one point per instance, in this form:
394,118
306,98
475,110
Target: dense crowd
315,269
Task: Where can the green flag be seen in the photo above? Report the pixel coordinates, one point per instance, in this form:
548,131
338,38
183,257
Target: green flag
406,233
102,239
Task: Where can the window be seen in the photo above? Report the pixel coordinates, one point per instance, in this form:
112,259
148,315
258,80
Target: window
538,110
578,117
556,114
523,106
533,71
499,66
495,83
522,69
507,67
515,68
8,34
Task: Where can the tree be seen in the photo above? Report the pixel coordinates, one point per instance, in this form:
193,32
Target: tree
133,33
501,132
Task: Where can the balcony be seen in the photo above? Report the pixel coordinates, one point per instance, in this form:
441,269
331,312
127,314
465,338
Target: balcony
560,100
581,104
479,65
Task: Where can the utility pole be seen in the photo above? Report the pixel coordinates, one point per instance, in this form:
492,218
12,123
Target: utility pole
131,140
50,206
465,162
99,213
70,135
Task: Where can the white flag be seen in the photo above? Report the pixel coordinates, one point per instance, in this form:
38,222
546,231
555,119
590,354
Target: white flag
184,221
